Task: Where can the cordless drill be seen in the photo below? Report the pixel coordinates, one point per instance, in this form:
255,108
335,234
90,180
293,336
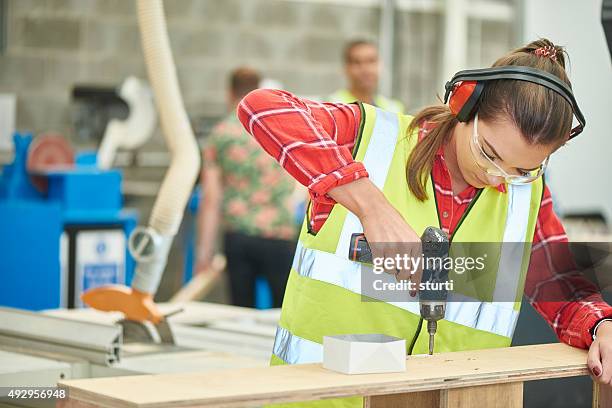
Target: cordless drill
432,291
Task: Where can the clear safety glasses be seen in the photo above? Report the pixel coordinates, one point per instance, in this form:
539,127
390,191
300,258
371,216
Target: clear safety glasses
486,163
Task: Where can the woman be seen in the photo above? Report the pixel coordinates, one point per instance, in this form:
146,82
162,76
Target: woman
475,171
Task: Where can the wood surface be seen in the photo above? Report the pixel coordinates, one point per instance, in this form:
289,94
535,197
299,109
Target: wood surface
71,403
602,396
423,399
506,395
258,386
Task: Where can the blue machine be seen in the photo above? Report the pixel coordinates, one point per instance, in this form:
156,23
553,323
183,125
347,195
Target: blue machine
55,245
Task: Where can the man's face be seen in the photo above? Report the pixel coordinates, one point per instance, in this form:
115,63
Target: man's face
362,67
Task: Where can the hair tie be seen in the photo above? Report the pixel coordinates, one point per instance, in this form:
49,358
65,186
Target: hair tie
547,51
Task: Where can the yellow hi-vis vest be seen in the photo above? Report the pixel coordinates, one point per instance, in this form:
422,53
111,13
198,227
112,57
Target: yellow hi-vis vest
323,294
388,104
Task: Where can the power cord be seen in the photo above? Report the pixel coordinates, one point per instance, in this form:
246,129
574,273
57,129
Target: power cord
416,336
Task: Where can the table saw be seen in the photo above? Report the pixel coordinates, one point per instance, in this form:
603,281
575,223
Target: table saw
38,349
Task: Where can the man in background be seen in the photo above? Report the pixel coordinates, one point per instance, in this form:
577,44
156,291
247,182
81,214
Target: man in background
362,69
249,196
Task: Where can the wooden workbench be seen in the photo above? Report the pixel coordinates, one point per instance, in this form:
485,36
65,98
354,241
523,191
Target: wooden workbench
464,379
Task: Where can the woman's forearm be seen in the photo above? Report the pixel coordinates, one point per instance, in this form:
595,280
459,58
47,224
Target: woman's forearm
361,197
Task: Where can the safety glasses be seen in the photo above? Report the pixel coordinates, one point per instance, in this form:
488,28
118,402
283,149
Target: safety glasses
486,163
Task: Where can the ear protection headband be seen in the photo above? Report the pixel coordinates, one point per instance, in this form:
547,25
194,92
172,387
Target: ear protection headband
465,88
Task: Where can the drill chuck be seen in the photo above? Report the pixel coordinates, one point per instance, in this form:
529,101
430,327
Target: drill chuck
433,311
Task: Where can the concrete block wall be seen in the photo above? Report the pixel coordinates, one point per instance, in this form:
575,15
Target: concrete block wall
54,44
417,58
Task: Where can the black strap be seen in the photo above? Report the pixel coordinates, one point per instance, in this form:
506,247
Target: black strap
521,73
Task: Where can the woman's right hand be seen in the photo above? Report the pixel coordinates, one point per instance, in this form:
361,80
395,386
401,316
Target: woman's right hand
388,234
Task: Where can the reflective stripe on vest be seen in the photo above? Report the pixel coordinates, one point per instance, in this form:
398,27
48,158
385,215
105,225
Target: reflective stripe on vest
293,349
495,317
517,220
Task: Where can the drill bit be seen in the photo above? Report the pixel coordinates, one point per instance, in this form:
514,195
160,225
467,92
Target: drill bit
431,344
432,326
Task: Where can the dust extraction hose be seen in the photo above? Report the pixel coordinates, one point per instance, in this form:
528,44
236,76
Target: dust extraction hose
185,158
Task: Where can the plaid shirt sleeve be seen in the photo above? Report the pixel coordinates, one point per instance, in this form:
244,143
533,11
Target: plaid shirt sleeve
570,304
311,140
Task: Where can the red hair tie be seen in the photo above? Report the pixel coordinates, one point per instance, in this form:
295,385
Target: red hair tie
547,51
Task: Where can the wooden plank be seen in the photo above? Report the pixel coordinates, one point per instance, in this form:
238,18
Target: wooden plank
507,395
258,386
71,403
602,396
424,399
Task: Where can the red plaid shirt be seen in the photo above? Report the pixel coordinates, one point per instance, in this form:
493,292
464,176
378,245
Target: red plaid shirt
313,142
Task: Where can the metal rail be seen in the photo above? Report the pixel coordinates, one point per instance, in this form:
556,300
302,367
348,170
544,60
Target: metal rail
32,331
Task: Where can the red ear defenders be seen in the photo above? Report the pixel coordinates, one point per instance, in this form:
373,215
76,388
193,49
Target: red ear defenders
465,88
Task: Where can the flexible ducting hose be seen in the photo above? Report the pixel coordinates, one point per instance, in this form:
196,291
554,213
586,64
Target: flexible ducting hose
185,158
133,131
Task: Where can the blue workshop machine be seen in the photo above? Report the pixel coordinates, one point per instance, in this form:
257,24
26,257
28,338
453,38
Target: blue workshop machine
62,230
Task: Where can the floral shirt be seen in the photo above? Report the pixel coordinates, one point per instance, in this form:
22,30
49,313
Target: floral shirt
257,193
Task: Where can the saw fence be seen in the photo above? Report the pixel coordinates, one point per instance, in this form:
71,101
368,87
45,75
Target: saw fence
485,378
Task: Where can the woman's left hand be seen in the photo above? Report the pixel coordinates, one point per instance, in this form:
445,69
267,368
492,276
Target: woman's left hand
600,354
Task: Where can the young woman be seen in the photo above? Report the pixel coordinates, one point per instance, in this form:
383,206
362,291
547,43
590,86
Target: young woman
473,168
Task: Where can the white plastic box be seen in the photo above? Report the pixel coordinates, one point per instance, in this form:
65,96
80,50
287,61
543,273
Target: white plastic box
364,353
